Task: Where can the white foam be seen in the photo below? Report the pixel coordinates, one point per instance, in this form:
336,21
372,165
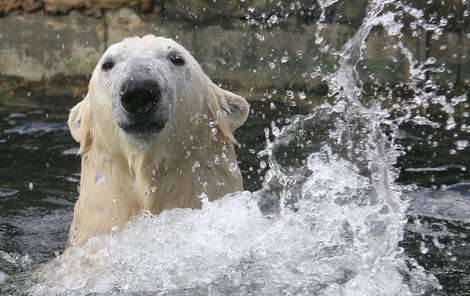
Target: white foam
331,241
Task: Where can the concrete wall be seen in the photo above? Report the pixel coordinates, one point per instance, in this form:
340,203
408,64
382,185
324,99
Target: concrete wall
247,44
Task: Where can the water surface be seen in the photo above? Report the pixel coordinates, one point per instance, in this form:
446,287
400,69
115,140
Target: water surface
363,191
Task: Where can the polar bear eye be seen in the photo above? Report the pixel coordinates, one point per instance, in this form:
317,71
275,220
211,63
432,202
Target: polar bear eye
176,59
108,65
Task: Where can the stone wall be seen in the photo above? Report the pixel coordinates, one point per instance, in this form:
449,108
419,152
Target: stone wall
250,45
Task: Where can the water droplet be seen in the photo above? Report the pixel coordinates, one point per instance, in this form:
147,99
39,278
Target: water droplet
233,167
437,243
204,198
114,227
115,198
461,144
30,185
221,113
196,165
422,248
272,65
100,179
259,36
430,61
314,74
213,131
213,123
284,59
273,19
262,164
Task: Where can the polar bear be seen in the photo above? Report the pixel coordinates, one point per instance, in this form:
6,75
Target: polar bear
155,133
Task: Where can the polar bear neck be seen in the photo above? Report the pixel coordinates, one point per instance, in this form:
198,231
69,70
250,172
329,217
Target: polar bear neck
175,174
171,173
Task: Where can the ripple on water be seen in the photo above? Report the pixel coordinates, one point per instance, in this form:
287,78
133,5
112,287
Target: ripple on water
5,192
37,128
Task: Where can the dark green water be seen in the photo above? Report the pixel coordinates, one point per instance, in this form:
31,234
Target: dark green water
39,177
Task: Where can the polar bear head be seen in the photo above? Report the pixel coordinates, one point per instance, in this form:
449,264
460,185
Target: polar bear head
152,86
155,133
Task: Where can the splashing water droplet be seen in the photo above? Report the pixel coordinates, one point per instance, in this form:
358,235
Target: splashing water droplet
233,167
461,144
262,164
204,199
196,165
423,248
259,37
114,227
100,179
213,123
273,19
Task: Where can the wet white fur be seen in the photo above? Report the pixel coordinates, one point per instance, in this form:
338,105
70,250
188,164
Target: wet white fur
193,154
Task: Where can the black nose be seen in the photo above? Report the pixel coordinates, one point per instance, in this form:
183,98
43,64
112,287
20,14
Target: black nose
139,95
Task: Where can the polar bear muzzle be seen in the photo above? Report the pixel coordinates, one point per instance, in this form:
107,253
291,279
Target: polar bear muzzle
143,100
139,96
144,113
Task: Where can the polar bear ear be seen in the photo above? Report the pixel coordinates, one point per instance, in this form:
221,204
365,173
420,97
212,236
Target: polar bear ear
80,125
229,109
